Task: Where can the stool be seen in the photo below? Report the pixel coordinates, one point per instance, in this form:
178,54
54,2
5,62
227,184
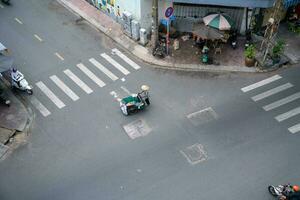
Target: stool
218,50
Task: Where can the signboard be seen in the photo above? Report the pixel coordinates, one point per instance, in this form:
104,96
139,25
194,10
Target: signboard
169,12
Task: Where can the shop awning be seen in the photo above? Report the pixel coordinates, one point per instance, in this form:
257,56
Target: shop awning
289,3
231,3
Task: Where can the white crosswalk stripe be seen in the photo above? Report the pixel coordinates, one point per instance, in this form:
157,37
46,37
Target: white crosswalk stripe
295,128
91,75
277,103
79,82
103,69
272,92
115,64
50,94
288,114
261,83
38,105
126,59
281,102
64,88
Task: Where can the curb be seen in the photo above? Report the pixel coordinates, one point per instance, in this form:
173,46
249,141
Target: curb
143,54
31,114
14,141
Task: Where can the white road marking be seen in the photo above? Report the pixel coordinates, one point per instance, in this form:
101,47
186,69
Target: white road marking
288,114
64,88
126,59
115,63
59,56
103,69
260,83
281,102
50,95
115,95
126,90
91,75
271,92
294,129
38,38
38,105
19,21
79,82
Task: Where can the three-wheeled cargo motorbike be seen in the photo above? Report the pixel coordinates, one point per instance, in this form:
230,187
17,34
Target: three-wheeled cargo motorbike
134,103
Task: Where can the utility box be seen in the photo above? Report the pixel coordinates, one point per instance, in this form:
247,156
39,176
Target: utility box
127,18
135,30
143,37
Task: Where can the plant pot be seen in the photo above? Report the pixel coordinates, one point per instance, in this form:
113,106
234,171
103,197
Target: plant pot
249,62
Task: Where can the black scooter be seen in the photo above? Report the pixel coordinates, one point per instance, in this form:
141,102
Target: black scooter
233,39
248,39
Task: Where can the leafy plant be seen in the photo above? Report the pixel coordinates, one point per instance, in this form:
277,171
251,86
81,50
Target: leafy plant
278,48
250,51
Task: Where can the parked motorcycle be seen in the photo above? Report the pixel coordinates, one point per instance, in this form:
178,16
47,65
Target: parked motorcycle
233,39
159,51
248,39
20,83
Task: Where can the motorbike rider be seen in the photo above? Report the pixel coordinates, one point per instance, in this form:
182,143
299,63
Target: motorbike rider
293,195
15,75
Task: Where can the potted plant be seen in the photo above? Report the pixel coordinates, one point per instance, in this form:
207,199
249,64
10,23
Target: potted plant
277,51
249,55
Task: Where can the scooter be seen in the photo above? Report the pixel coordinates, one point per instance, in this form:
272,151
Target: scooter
21,84
233,40
248,39
159,51
280,190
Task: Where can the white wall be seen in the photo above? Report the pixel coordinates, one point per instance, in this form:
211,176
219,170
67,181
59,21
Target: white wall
132,6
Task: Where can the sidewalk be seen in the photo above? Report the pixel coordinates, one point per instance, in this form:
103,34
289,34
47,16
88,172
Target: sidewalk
114,30
14,120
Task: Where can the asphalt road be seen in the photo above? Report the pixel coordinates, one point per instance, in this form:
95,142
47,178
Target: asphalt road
81,150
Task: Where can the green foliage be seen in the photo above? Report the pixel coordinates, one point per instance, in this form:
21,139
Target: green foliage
250,51
292,27
278,48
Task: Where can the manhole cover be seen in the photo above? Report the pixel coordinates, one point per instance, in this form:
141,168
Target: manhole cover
3,149
202,116
137,129
194,154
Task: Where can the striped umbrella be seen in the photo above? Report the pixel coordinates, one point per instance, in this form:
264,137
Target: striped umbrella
219,21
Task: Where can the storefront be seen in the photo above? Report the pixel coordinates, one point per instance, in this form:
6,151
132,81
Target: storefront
189,11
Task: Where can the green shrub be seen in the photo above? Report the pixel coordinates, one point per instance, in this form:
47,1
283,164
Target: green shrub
250,51
278,48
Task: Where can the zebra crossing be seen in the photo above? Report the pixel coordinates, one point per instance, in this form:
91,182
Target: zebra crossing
277,103
87,72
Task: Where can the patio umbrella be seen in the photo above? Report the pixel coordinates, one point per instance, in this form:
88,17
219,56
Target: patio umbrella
219,21
205,32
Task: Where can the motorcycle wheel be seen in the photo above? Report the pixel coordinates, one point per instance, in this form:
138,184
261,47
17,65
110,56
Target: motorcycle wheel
30,92
272,191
